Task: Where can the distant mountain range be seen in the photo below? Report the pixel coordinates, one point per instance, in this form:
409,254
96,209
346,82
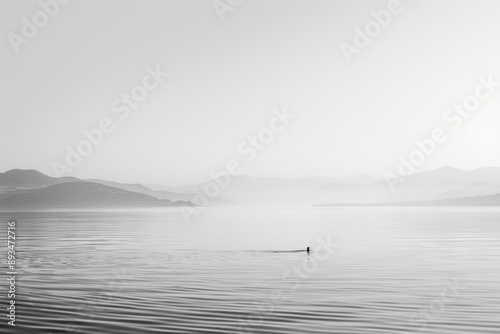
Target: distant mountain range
24,189
439,184
440,187
492,200
30,189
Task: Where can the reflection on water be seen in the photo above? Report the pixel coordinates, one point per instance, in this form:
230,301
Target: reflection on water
247,271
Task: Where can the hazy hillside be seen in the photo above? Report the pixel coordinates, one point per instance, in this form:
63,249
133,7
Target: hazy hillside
473,190
19,178
160,194
78,195
362,179
345,193
267,191
493,200
441,183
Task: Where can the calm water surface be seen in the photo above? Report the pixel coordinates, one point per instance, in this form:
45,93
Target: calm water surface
386,270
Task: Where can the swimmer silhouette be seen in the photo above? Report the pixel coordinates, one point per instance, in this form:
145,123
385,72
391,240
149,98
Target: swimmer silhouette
307,250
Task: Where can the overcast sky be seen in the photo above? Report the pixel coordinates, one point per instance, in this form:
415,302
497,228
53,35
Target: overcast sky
226,77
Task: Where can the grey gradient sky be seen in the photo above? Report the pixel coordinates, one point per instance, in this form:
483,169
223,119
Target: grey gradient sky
225,78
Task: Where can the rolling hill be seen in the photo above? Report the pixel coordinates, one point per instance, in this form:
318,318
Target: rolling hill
491,200
29,179
71,195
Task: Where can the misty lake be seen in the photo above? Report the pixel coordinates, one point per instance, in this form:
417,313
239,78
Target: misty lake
370,270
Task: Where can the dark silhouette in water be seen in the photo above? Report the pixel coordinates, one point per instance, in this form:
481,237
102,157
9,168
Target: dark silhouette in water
307,250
